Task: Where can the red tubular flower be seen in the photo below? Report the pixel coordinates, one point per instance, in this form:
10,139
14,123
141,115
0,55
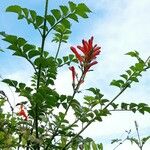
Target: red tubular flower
89,66
73,73
89,54
77,54
22,112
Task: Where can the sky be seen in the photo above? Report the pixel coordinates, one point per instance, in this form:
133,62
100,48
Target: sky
118,26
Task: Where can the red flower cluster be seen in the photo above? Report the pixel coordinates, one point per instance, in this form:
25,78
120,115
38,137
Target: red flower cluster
90,53
22,112
87,58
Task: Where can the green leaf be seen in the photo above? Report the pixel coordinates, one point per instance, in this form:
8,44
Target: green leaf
132,106
67,31
74,17
20,16
145,139
147,109
71,56
124,76
10,38
115,141
139,66
14,8
26,12
21,41
64,105
124,106
133,140
133,54
50,81
118,83
56,13
28,47
22,85
81,14
94,146
59,28
89,98
141,105
114,105
45,62
50,19
39,20
58,35
33,15
66,23
65,58
83,7
65,37
134,79
33,53
81,10
10,82
18,53
64,10
40,61
100,146
45,53
13,47
59,61
72,6
63,97
129,72
91,89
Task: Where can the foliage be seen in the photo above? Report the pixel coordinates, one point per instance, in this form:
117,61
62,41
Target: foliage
42,121
140,142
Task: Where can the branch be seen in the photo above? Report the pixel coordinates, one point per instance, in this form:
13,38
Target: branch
137,130
124,87
40,69
103,109
39,76
32,64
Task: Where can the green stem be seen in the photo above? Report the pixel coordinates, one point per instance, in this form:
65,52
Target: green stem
137,130
31,64
58,48
39,72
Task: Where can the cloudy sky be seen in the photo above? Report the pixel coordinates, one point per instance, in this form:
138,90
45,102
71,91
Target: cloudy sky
118,26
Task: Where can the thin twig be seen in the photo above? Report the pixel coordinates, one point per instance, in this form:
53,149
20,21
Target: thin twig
139,139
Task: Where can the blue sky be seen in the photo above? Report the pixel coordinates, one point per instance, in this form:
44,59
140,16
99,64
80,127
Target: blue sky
118,26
